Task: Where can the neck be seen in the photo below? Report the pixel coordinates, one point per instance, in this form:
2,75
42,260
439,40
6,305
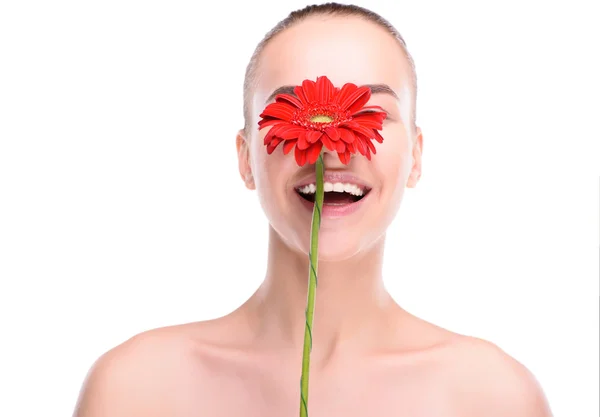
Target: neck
352,306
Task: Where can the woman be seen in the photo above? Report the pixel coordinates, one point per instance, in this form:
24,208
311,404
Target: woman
370,357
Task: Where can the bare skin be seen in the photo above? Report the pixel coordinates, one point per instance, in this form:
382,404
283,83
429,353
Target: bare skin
219,368
370,357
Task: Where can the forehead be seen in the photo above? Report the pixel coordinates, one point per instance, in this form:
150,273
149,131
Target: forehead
345,49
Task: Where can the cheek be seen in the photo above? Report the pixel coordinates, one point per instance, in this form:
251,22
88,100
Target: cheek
271,173
393,165
266,167
394,159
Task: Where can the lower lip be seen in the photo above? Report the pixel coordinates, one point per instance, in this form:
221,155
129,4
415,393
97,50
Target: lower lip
334,210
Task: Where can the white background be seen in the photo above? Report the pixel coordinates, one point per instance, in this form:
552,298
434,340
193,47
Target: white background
121,207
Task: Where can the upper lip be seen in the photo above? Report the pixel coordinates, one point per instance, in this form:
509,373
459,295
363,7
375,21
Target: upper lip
334,176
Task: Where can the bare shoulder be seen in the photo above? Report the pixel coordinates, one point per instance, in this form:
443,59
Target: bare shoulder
142,375
489,382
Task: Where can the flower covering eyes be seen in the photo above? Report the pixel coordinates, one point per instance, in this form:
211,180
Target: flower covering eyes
323,115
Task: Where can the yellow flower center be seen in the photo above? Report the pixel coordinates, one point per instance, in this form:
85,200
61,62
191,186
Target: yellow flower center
321,118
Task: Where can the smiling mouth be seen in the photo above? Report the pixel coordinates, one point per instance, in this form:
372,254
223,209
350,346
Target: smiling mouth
339,198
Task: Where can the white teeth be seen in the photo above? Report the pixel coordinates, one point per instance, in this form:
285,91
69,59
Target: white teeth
308,189
336,187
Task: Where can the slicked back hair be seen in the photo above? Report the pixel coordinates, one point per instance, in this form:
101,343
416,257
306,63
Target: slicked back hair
327,9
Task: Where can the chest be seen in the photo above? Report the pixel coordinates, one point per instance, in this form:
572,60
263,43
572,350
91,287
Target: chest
376,393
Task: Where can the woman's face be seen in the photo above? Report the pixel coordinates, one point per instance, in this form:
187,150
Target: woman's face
345,49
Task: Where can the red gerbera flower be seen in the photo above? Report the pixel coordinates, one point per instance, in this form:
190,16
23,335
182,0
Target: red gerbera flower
321,114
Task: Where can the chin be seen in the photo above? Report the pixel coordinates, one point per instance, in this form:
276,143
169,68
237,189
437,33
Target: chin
336,246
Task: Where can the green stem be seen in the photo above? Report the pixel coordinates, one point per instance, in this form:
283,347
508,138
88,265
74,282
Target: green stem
312,286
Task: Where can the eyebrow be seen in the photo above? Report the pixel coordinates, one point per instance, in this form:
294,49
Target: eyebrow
375,89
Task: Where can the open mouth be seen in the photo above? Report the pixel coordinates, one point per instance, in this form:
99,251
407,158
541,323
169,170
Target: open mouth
335,193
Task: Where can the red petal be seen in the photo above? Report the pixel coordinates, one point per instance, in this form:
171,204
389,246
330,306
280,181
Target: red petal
327,142
275,130
346,135
340,146
378,136
351,147
363,130
351,124
300,156
325,89
333,133
313,135
288,145
269,136
369,123
378,116
343,94
289,99
313,152
302,142
356,100
371,146
291,132
279,110
360,145
300,94
310,90
344,157
273,144
269,121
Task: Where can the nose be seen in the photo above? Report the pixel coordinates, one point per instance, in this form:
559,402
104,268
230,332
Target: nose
332,160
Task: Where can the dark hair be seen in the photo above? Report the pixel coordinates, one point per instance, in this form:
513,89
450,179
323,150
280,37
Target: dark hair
331,9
